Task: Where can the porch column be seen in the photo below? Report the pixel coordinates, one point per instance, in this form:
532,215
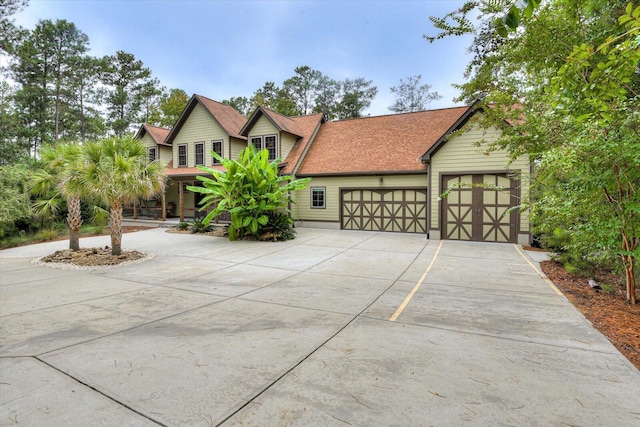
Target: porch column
181,193
164,207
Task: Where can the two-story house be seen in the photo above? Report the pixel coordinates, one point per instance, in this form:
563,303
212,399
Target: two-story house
382,173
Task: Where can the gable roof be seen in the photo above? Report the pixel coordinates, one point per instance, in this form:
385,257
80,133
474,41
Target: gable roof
227,117
473,109
280,121
307,125
156,133
379,145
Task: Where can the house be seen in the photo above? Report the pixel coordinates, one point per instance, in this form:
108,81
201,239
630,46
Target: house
383,173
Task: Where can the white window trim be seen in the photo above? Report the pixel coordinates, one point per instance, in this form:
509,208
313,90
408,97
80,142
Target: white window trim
195,154
264,144
324,197
155,156
214,161
263,139
186,155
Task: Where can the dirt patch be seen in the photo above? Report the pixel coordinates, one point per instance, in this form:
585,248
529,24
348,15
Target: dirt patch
94,257
606,309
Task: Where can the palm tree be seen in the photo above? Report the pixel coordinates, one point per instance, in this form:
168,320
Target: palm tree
60,175
116,172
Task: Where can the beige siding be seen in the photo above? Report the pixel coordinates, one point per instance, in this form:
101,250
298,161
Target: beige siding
264,127
237,145
286,144
147,141
302,209
165,154
199,127
164,151
461,155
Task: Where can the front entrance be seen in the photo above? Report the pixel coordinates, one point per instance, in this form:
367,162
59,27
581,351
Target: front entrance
477,208
401,210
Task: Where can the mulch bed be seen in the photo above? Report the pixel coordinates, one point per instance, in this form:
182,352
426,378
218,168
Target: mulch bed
94,257
608,312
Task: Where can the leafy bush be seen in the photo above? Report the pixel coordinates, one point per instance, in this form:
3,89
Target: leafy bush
198,225
248,189
14,199
47,234
182,226
278,227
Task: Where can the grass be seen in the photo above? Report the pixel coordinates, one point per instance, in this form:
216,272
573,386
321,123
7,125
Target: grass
47,235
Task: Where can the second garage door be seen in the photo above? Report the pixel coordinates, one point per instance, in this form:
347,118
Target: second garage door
389,209
478,208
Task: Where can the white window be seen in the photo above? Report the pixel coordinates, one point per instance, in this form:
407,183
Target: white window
182,155
257,142
318,199
199,147
269,143
216,147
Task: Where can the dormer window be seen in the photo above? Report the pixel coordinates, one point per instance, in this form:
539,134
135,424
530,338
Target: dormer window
152,153
269,143
257,143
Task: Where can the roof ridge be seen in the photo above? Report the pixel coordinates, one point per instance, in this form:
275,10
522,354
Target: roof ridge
402,114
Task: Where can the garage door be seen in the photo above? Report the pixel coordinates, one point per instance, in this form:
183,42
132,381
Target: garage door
402,210
477,208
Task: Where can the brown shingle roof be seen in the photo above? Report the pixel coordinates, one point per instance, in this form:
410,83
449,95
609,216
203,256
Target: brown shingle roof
306,125
383,144
158,134
228,118
282,122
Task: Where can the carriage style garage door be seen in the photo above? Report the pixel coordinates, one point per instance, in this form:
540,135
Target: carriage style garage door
401,209
476,208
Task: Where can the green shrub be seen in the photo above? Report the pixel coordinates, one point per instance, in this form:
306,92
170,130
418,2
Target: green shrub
248,189
182,226
47,234
92,229
278,227
198,225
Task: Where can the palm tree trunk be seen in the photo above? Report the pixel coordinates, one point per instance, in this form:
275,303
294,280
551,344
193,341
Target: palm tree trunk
74,218
115,217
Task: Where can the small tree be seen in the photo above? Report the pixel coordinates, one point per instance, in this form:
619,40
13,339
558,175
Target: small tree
250,190
412,96
60,172
116,172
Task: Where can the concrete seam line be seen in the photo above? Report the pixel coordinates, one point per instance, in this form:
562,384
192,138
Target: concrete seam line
107,396
416,287
540,273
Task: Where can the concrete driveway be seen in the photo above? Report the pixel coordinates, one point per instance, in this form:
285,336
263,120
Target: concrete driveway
332,328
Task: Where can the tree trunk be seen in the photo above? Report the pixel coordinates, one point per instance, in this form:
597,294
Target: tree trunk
164,206
115,217
74,218
181,193
629,265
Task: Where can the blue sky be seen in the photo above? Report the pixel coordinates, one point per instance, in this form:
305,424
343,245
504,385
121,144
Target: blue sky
221,49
